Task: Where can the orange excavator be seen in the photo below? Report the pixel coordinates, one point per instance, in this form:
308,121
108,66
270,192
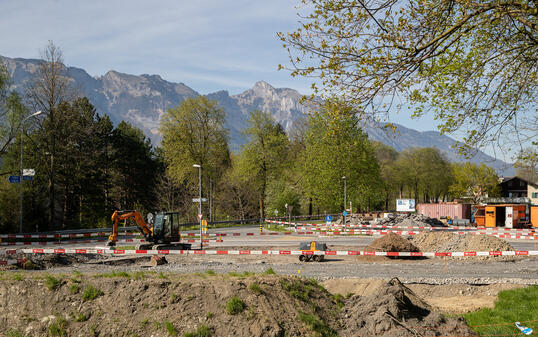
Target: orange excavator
162,232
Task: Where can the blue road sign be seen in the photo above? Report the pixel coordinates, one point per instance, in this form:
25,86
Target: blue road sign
329,218
25,178
14,179
344,213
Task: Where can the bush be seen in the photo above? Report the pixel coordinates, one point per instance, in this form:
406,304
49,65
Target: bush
74,288
91,293
235,305
203,331
51,282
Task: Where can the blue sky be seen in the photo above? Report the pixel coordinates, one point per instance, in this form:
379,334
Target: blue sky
209,45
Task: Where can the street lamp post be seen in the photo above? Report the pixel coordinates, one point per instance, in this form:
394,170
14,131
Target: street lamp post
199,199
21,172
344,177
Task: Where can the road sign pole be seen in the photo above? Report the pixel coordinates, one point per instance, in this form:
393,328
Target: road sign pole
20,187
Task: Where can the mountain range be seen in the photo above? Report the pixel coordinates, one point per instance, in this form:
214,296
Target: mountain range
143,99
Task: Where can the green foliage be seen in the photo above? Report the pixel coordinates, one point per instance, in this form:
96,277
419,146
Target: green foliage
74,288
209,315
472,65
14,333
255,288
300,289
339,300
269,271
317,325
58,327
334,148
115,274
91,293
194,133
235,306
263,158
172,331
474,182
518,305
52,283
81,318
210,272
144,323
18,277
202,331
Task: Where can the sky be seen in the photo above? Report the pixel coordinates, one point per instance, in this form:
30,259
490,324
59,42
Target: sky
209,45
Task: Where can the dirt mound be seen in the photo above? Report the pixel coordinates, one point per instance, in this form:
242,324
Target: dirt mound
409,220
396,311
391,243
123,304
450,242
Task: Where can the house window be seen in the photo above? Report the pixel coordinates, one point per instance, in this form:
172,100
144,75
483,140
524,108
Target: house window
535,194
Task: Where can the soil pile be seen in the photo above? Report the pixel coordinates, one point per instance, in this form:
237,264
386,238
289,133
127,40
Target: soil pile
122,304
409,220
396,311
391,243
450,242
353,219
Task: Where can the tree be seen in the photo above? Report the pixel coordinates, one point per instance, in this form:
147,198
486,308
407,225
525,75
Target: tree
264,157
11,112
474,182
473,63
424,171
527,165
194,133
334,148
46,91
386,157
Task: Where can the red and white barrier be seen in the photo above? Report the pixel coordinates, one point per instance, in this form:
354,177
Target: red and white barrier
277,252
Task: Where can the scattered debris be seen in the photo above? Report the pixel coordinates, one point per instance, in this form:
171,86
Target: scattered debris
409,220
450,242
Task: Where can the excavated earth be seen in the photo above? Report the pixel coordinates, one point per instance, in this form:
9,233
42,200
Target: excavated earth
146,304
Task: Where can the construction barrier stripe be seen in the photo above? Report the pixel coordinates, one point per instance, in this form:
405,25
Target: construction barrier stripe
277,252
88,241
403,227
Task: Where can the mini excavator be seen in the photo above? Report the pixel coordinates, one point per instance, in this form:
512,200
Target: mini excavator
162,232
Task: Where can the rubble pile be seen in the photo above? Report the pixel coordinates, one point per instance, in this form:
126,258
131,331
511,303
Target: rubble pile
394,310
408,220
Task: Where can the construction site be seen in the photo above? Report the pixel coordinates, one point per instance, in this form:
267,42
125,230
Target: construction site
363,275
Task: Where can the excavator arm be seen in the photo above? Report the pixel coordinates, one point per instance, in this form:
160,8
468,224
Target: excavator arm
122,215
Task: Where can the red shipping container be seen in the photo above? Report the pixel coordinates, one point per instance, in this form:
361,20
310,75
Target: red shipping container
454,211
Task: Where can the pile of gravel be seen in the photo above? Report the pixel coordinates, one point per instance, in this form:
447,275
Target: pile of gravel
450,242
396,311
391,243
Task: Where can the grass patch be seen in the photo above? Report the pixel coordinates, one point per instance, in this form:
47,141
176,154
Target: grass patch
114,274
255,288
51,282
18,277
81,318
243,274
74,288
157,325
162,275
339,300
209,315
299,288
29,265
317,325
172,331
518,305
202,331
211,272
58,327
144,323
269,271
235,306
14,333
91,293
